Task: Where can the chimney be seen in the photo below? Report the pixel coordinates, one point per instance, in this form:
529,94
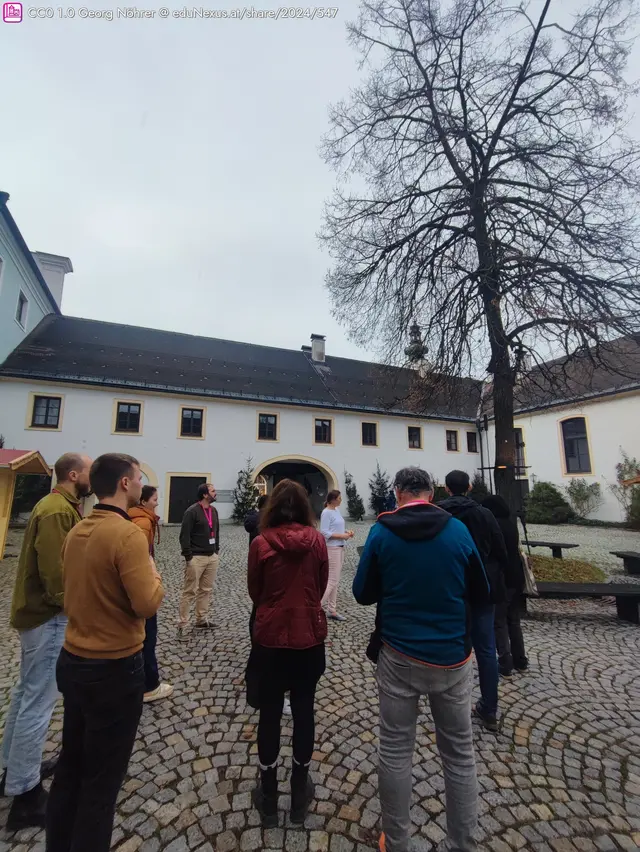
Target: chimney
53,268
317,348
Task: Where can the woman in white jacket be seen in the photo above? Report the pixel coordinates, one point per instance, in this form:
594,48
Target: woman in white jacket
332,527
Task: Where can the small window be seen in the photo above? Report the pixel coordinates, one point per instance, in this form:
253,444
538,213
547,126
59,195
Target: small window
415,437
191,423
452,441
323,431
128,417
520,467
576,445
369,434
46,412
267,427
472,442
21,309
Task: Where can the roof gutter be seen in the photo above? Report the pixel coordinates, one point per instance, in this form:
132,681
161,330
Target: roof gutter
24,248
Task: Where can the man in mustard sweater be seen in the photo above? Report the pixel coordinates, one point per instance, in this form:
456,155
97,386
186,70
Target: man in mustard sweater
110,587
37,615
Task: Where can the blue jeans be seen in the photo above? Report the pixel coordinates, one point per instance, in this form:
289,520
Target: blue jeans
32,703
484,644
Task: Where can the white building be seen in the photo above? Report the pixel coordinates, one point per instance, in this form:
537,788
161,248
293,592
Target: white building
30,284
194,409
580,428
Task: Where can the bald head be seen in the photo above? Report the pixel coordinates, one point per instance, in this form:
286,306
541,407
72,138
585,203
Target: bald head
72,472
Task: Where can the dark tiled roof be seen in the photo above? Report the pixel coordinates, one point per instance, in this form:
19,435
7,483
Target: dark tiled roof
613,368
79,350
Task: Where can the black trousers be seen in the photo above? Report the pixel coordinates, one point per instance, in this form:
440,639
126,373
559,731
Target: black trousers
509,638
296,672
102,707
151,674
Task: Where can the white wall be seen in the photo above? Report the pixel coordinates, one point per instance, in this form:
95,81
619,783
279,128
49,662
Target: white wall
16,275
231,436
612,422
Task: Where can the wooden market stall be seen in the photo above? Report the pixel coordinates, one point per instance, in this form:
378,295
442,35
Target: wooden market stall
13,462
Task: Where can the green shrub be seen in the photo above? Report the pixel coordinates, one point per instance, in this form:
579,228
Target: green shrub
355,506
379,486
546,505
584,498
479,490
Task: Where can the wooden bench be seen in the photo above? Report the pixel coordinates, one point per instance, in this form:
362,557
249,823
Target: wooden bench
630,561
627,595
556,547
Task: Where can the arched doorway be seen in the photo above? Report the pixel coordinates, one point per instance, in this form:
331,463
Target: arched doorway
317,478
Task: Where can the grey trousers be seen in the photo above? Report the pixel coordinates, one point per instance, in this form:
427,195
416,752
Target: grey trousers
401,683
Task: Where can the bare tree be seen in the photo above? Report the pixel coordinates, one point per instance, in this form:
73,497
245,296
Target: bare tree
488,190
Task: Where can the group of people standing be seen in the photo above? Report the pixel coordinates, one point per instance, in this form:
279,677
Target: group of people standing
445,580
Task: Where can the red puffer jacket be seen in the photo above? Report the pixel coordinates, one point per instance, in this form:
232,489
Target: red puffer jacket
288,575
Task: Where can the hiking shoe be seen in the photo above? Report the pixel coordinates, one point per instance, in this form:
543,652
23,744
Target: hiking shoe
506,672
522,667
204,625
163,690
490,723
28,810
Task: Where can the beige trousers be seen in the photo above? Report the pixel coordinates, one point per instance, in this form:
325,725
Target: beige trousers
199,577
336,558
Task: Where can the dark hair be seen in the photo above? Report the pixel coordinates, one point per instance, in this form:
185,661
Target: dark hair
498,505
458,482
203,490
262,501
147,493
332,496
67,463
107,471
288,504
413,480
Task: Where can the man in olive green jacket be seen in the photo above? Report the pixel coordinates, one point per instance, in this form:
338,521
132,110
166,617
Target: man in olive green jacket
37,613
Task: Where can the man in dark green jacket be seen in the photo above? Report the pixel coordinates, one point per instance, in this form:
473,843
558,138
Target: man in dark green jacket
37,613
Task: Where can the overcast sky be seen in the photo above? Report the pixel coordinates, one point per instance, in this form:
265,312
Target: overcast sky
176,163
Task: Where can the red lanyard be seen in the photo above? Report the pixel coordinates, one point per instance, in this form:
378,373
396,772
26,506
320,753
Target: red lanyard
208,513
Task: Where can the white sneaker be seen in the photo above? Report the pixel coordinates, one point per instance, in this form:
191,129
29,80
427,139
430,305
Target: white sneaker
163,690
287,707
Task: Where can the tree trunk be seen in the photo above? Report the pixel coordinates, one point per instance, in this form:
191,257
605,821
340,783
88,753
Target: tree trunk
505,451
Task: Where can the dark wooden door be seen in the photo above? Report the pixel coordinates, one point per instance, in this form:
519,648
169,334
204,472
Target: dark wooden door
182,493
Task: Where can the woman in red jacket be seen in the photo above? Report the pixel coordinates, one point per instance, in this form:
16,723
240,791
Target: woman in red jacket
287,578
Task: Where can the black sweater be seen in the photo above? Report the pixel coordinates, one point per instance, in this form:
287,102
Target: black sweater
196,532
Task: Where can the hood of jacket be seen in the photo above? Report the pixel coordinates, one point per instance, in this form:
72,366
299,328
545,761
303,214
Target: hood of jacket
292,538
141,512
416,521
459,506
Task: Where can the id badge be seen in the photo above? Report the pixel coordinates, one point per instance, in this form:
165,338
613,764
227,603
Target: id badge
212,541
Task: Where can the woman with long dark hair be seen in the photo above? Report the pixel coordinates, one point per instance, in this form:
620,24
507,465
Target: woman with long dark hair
144,517
332,527
287,577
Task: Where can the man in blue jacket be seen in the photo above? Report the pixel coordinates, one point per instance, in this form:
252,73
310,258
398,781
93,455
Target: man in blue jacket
423,570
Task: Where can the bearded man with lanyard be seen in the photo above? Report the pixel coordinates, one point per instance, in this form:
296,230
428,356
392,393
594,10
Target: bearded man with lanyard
200,544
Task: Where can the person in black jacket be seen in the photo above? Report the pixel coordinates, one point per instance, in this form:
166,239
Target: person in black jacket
200,544
487,537
509,639
252,519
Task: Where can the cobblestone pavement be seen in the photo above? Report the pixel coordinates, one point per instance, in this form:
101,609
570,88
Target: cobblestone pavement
563,774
